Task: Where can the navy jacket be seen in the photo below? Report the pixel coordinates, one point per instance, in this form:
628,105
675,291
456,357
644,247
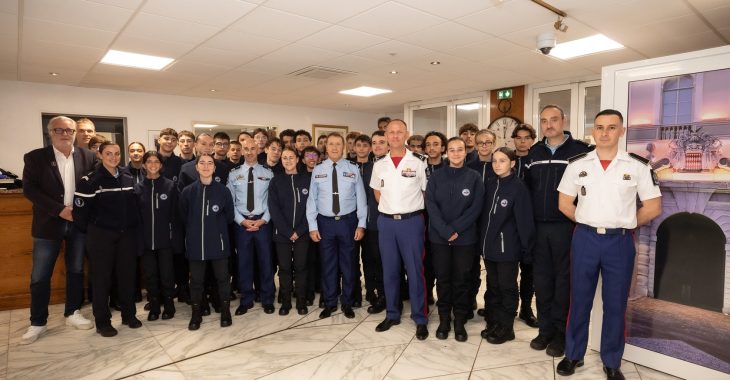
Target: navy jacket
544,171
158,209
188,174
206,211
171,167
454,198
106,201
288,195
520,167
432,168
507,228
137,174
373,213
484,168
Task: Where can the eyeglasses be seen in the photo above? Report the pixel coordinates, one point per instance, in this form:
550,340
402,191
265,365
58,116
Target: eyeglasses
221,144
62,131
485,143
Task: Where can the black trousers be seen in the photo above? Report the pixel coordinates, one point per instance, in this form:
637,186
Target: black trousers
374,270
551,270
181,269
476,280
357,272
197,278
159,274
112,252
502,294
452,265
428,271
286,253
527,287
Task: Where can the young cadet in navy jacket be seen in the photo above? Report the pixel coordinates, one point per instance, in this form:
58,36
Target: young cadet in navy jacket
157,197
507,235
206,209
371,247
288,206
106,209
454,197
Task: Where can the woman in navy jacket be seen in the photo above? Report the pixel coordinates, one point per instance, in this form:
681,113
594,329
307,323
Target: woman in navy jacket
206,209
288,194
454,197
507,233
157,198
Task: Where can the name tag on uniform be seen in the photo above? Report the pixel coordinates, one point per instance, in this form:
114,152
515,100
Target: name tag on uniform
263,178
239,177
627,177
408,173
348,174
320,176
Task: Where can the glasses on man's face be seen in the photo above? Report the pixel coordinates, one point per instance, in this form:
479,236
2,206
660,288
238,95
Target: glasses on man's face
219,144
64,131
485,143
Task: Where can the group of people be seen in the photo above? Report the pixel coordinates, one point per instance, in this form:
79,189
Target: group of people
417,212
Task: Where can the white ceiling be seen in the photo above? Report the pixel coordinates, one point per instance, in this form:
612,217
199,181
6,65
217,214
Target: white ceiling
246,49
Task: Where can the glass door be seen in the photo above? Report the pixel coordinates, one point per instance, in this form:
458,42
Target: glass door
446,116
580,102
589,104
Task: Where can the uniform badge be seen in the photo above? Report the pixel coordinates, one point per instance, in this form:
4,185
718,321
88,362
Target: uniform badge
239,177
217,179
348,174
627,177
654,177
53,163
504,203
583,191
408,173
79,202
465,192
163,197
382,183
263,178
321,175
583,174
215,208
174,178
305,191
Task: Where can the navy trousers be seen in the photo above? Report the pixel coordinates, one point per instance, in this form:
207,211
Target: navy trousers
250,245
403,239
613,257
337,255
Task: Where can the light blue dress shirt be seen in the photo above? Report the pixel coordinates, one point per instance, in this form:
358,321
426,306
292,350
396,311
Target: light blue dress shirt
350,186
238,185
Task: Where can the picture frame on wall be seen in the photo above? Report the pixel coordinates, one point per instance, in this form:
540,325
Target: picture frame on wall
322,129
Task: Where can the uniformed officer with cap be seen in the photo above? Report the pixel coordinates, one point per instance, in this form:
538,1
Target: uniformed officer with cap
606,182
249,185
399,181
336,212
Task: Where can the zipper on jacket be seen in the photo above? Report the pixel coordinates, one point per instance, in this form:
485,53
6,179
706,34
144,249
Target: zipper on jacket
223,248
489,218
153,214
170,225
203,212
294,193
501,235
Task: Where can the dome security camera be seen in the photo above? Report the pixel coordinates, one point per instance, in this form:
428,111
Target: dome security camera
546,42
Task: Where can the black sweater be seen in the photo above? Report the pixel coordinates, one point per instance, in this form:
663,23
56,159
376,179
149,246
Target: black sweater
454,198
106,201
507,229
288,195
158,208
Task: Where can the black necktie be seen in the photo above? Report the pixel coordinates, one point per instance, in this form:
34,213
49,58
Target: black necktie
335,191
249,191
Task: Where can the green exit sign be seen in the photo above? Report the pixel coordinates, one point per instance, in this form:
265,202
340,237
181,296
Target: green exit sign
504,94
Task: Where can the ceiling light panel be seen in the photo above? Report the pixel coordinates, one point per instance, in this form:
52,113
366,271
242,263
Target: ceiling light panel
584,46
140,61
365,91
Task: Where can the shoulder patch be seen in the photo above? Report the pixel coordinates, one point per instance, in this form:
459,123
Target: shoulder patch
376,159
577,157
636,157
352,162
421,157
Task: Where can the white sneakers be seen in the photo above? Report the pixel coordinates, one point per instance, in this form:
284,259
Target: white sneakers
77,320
32,334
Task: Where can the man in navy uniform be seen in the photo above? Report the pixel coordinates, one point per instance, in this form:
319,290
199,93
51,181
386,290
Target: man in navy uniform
398,182
606,182
49,181
336,212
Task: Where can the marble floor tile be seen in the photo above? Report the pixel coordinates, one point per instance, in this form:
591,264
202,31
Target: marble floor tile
337,318
593,368
532,371
647,373
170,372
372,363
112,362
265,355
3,361
453,376
364,336
507,354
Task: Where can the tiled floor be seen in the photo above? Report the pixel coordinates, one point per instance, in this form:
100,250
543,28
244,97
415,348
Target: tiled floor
275,347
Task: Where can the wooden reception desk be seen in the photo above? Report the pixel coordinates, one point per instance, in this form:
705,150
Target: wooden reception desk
16,257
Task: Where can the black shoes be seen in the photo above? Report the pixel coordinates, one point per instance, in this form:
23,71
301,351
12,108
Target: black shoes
482,312
226,314
284,310
540,342
377,306
459,330
613,373
154,308
349,313
133,322
567,367
356,304
242,309
442,332
489,329
269,309
556,348
386,324
106,331
528,317
196,319
327,312
169,311
421,332
302,310
501,334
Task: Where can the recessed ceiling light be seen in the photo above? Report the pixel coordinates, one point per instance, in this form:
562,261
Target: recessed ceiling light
365,91
140,61
435,62
205,125
584,46
212,90
393,72
53,74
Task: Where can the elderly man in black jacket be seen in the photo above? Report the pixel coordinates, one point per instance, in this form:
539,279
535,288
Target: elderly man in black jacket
49,181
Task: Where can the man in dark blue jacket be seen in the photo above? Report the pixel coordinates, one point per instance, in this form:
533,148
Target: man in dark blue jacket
371,249
546,163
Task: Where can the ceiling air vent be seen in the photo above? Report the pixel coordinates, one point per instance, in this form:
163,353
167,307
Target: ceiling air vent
320,72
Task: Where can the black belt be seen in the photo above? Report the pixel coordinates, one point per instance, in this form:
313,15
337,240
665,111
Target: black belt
403,216
253,217
337,217
606,231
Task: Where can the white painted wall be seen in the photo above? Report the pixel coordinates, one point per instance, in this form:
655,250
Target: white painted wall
21,105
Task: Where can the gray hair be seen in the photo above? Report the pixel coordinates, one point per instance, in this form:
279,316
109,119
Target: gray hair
54,120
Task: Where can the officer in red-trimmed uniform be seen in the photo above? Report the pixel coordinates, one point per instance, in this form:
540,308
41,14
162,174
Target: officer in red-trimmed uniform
398,182
606,182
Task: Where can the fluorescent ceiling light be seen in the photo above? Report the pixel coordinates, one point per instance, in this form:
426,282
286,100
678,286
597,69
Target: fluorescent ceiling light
584,46
205,125
365,91
140,61
468,107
